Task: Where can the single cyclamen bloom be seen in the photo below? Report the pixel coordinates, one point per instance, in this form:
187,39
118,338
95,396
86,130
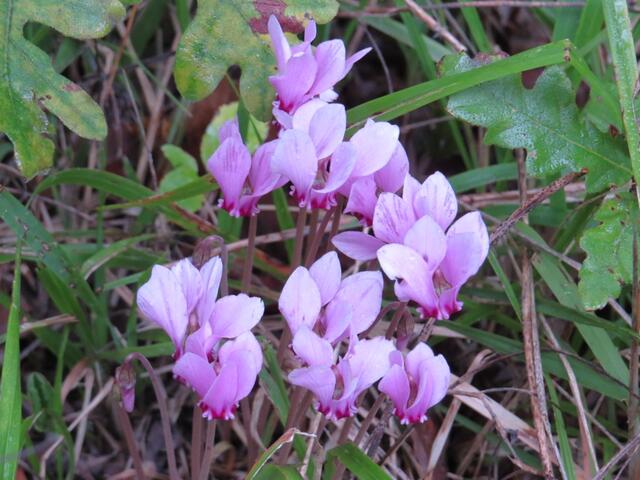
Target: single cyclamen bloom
173,296
411,245
243,180
227,379
183,298
416,383
313,156
305,72
320,165
318,299
383,166
337,386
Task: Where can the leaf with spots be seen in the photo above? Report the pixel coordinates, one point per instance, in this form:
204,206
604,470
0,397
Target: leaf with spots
545,121
29,83
234,32
609,248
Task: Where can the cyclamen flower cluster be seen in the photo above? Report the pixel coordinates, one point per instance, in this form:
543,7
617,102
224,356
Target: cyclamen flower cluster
415,240
322,309
428,265
216,353
310,151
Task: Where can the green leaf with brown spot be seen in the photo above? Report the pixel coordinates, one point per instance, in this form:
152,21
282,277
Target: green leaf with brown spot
609,248
234,32
29,83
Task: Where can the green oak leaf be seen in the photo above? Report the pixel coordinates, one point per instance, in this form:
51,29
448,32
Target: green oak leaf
609,248
234,32
29,83
545,121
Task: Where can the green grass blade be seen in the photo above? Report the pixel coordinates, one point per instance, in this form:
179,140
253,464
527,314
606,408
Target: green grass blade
283,214
623,53
10,394
472,17
398,103
561,431
362,467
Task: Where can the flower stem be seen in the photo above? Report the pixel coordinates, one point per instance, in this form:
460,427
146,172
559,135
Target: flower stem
208,451
161,396
317,237
127,431
335,226
196,442
299,241
251,248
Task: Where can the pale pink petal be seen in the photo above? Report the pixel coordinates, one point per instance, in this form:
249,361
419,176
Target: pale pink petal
414,278
261,178
428,239
375,144
336,320
295,158
161,301
432,386
357,245
327,128
249,345
415,357
293,83
410,189
301,120
300,300
330,56
395,385
437,199
196,371
390,178
235,314
363,292
280,45
312,349
190,282
211,274
319,379
467,248
201,342
229,129
362,199
369,361
282,117
230,165
310,32
329,95
222,397
327,274
348,64
342,162
392,218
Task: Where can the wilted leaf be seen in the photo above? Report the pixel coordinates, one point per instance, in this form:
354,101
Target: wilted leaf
234,32
546,122
609,247
28,81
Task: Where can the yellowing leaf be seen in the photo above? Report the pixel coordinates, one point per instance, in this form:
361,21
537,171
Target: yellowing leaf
28,81
234,32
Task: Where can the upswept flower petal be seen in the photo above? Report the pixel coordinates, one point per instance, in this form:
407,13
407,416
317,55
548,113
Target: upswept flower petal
162,301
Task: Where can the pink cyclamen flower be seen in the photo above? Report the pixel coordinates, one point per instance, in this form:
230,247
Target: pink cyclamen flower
243,179
412,247
382,166
305,72
337,386
318,299
416,383
313,156
173,296
225,380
